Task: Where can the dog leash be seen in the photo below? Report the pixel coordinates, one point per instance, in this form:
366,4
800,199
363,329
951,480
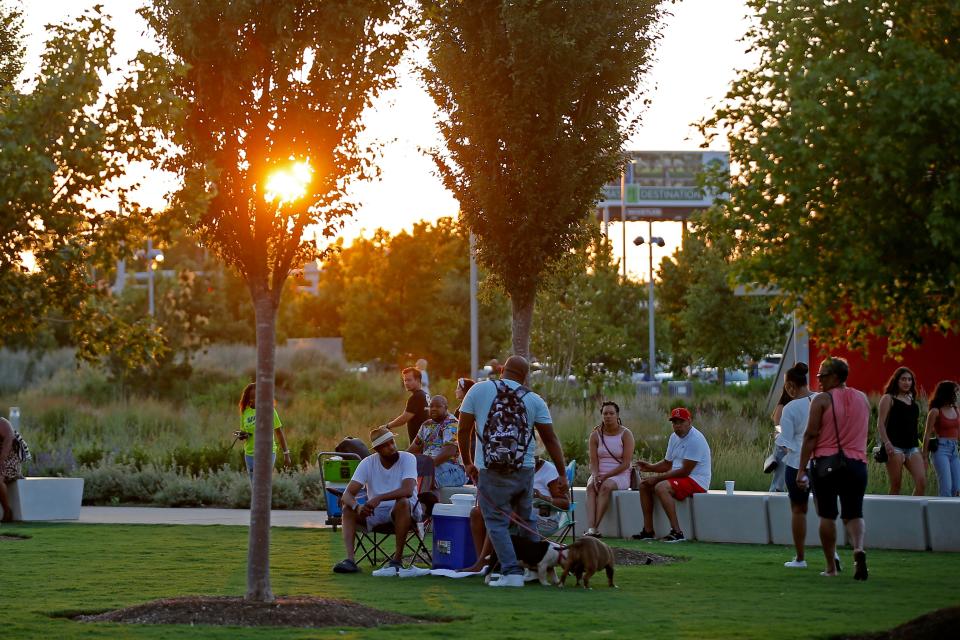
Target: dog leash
520,524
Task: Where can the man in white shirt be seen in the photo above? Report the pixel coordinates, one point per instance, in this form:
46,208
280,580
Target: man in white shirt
390,479
685,471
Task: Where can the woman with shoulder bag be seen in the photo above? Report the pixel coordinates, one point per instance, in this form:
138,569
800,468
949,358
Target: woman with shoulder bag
940,438
611,450
897,423
836,442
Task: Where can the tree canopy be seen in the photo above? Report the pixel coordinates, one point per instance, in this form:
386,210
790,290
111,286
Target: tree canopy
534,99
848,194
68,200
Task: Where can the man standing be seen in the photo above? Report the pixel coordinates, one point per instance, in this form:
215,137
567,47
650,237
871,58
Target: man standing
390,478
505,414
687,467
416,410
438,439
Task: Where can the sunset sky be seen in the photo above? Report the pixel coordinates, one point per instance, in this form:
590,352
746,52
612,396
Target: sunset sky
696,60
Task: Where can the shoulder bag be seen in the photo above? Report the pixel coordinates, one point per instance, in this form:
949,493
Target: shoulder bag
634,474
826,466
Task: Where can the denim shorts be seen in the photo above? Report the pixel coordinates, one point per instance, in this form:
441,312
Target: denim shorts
797,495
906,453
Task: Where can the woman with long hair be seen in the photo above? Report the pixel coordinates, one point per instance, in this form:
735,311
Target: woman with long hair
611,454
943,420
793,422
248,423
897,428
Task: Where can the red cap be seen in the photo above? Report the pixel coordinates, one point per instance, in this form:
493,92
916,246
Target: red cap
680,414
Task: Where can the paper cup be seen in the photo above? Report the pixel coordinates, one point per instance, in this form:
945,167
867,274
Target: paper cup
729,485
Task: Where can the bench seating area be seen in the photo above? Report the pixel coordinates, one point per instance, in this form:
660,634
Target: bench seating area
36,499
757,517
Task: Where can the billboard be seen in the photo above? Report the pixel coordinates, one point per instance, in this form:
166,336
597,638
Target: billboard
662,185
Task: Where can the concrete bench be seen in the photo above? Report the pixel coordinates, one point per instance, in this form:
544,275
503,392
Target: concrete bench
630,514
609,525
780,517
943,524
33,499
741,517
894,522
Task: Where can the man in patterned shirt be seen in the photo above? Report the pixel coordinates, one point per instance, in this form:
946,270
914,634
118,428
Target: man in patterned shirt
437,438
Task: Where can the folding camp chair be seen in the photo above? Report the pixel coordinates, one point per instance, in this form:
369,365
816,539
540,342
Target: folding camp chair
568,520
370,545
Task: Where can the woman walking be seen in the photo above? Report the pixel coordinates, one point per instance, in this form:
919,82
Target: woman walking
897,422
248,423
836,442
793,422
943,420
611,451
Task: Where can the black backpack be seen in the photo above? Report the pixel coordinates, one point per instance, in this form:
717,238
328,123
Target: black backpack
507,433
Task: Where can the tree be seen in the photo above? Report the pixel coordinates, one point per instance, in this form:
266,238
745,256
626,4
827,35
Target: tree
588,314
67,198
849,185
534,96
709,320
269,87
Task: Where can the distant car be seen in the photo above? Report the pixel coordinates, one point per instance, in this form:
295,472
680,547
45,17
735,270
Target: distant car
735,378
768,365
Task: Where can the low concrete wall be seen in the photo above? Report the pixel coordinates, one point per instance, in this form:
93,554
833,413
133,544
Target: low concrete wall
943,523
630,514
780,517
741,517
33,499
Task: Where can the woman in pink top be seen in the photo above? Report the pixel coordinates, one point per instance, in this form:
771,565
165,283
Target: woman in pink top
611,453
838,423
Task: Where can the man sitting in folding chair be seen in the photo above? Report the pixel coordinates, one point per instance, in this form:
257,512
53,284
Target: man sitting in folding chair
390,478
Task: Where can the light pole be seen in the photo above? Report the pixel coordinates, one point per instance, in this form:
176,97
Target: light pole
474,310
639,240
154,257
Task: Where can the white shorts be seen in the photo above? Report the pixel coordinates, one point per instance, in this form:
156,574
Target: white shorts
381,515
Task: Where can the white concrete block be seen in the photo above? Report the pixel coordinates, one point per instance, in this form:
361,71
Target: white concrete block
895,522
34,499
779,516
630,514
609,525
943,524
741,517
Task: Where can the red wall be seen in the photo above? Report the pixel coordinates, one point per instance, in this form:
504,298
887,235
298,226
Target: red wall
936,359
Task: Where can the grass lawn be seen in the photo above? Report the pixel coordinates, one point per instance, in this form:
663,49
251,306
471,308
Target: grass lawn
723,591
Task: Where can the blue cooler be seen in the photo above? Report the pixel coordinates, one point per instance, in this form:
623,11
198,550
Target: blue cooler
452,540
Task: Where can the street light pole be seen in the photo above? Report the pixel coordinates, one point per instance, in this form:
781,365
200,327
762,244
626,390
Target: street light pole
474,310
650,314
623,216
150,277
652,359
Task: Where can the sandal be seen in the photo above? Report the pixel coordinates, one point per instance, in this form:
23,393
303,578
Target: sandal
346,566
860,565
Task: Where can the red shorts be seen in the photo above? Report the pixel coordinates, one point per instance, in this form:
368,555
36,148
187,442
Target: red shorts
684,487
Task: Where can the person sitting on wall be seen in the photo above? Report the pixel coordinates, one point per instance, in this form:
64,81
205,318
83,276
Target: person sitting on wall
685,471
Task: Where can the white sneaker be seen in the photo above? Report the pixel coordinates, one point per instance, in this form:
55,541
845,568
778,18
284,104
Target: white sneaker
513,580
529,576
796,564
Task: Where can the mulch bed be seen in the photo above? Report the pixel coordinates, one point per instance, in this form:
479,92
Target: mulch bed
939,624
293,611
630,558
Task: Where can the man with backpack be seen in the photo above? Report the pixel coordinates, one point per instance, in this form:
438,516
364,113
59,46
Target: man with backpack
505,414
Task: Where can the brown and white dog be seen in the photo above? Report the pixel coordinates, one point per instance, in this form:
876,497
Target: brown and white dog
585,557
540,556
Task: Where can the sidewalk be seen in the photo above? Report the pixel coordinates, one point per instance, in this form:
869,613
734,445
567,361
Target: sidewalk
232,517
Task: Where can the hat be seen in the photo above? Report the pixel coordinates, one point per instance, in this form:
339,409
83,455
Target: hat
680,414
379,436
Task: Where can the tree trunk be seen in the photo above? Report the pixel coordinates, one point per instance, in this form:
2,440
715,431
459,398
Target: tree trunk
258,553
522,321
